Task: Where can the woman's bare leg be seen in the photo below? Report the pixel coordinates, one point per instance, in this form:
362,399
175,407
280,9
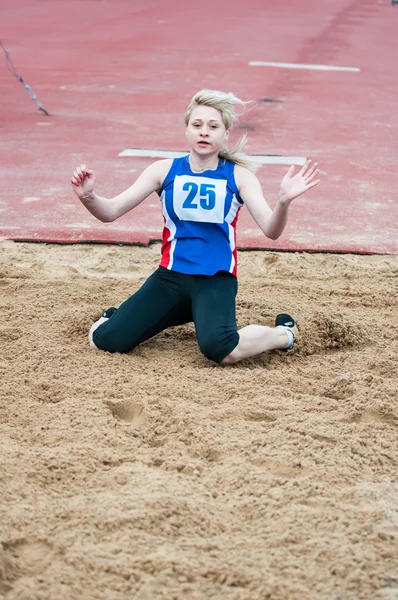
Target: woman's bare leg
255,339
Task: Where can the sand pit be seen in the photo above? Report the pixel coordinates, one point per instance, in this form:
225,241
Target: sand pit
159,475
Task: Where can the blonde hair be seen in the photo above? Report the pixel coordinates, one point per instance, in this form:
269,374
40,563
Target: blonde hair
225,103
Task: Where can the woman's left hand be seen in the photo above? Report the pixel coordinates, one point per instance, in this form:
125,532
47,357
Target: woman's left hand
293,186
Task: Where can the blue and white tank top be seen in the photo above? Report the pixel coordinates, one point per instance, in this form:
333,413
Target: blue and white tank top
200,212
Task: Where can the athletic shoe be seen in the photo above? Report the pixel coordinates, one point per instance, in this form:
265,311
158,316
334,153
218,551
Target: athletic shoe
287,321
109,312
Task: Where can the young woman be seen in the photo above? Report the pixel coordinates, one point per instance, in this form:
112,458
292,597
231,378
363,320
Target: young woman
201,195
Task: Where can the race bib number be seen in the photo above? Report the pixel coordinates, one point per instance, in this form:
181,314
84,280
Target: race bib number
199,198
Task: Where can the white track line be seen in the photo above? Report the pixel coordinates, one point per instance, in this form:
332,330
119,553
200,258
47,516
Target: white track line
263,159
255,63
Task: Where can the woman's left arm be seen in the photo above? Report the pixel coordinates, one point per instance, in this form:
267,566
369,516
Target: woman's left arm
273,222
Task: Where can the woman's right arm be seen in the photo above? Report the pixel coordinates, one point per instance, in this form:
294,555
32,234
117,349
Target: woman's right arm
110,209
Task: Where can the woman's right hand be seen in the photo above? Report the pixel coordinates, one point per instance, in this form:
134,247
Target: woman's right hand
82,181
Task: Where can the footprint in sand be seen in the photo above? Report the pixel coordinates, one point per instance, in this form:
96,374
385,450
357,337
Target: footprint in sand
127,410
373,416
47,393
22,557
259,416
270,259
278,469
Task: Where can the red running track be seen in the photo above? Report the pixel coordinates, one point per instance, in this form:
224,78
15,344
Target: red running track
117,74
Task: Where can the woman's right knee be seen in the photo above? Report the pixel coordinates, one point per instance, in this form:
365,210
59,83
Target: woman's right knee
109,339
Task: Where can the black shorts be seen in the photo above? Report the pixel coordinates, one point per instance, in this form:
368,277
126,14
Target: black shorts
168,298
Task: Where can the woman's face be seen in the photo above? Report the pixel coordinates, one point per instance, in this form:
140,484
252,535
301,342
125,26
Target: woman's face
206,131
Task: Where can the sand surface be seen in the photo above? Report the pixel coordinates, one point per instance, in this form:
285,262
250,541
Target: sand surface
159,475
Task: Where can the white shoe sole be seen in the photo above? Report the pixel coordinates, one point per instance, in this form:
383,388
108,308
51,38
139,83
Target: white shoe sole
93,327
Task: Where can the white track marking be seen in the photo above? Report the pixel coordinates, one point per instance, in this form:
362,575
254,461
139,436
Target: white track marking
258,63
262,159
